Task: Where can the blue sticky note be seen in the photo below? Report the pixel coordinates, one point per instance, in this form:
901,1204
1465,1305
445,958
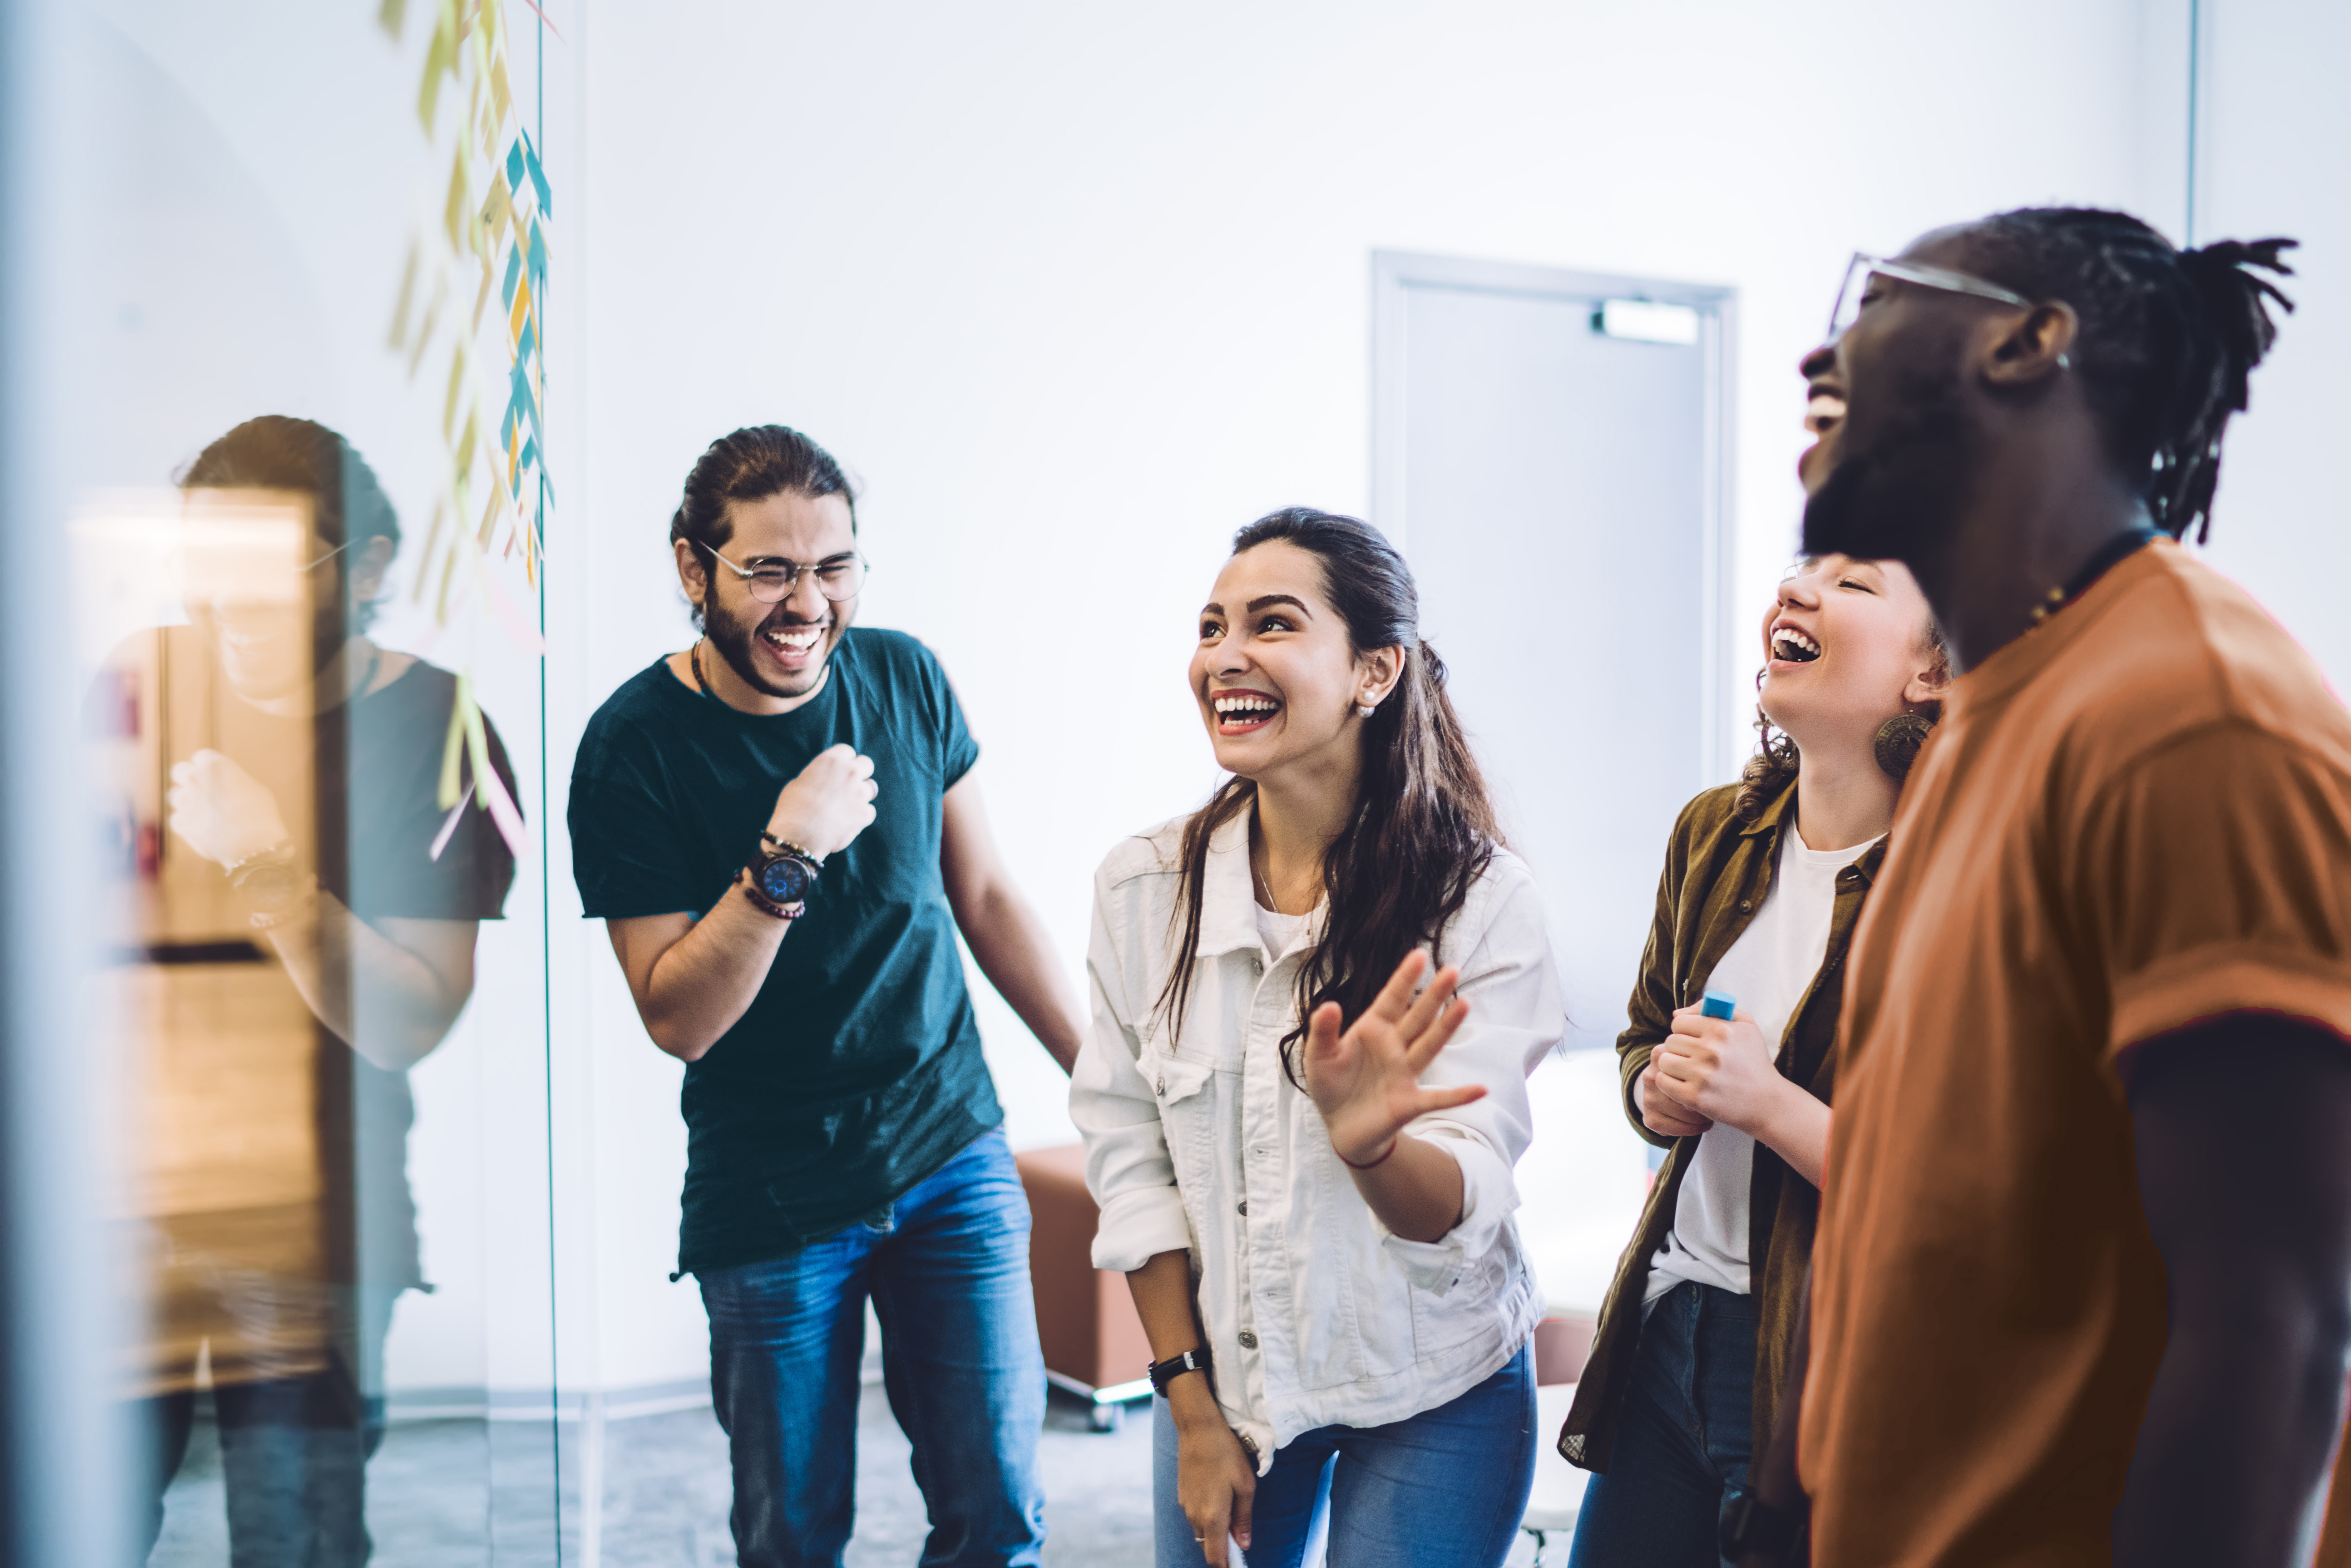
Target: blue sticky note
1717,1004
537,174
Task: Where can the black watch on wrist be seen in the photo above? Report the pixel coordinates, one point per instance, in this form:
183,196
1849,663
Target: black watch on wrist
1751,1525
784,873
1163,1372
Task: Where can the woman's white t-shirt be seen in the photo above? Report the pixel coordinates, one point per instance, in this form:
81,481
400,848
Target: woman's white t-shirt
1767,970
1280,932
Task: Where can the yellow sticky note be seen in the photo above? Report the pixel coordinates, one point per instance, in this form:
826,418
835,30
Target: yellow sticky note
452,747
407,299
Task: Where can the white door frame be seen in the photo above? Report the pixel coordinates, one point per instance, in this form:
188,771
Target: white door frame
1396,273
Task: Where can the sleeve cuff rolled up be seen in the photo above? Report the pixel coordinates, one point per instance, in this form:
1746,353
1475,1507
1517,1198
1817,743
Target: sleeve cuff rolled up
1136,1226
1488,1198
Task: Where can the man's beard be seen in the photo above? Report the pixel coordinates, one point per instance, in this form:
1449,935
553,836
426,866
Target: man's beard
733,641
1898,497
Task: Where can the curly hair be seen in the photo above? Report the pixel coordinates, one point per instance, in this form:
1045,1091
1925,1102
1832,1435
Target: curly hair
1776,761
2168,336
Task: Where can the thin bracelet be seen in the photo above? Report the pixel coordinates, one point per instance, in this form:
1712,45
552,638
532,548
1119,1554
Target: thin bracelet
790,848
1368,1163
765,905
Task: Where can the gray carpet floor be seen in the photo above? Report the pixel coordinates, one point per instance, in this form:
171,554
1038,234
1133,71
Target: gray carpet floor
442,1494
666,1492
474,1494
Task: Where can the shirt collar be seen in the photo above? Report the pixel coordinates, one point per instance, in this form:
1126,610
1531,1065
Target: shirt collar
1768,819
1980,693
1227,890
1777,816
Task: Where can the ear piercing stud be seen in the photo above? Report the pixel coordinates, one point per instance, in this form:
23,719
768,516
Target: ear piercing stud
1366,710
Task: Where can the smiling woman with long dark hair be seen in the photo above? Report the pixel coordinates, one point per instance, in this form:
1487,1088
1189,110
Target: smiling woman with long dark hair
1300,1136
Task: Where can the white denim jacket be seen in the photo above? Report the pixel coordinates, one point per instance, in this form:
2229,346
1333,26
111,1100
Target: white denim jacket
1315,1312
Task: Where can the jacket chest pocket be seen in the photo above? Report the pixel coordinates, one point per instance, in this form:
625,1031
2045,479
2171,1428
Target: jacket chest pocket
1184,1088
1175,1079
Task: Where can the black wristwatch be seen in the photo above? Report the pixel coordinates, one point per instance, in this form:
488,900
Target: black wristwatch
1163,1372
1751,1525
782,877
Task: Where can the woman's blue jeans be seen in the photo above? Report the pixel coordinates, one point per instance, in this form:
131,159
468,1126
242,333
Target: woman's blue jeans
1683,1437
1445,1489
947,1267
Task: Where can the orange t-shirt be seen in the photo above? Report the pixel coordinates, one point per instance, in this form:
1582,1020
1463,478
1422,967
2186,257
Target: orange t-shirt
2134,817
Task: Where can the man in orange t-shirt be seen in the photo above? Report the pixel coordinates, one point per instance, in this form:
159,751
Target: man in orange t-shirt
2083,1288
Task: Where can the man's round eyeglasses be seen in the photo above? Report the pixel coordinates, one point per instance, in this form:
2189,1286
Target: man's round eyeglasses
837,577
1862,269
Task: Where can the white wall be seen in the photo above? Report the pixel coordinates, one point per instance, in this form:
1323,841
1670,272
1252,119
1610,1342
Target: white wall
2276,131
1078,291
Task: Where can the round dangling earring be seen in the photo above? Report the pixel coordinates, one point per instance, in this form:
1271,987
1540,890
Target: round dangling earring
1366,710
1898,740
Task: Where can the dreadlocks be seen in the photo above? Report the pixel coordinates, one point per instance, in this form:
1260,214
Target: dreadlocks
2168,337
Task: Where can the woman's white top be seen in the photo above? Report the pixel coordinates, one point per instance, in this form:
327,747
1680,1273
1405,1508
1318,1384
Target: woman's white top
1280,932
1767,970
1315,1314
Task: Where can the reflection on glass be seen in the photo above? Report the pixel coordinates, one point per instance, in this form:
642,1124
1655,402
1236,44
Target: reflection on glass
298,930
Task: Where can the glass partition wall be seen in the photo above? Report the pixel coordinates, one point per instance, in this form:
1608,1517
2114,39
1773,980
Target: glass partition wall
290,447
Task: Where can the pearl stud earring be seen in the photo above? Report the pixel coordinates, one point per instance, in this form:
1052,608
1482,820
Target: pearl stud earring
1366,710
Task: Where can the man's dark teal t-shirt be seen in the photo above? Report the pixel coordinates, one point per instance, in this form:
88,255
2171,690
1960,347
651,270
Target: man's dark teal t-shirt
856,1072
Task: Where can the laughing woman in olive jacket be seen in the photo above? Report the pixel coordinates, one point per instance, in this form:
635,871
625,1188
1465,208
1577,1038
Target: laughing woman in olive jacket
1763,881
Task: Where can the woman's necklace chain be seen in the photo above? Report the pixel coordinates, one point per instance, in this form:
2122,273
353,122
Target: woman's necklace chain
1262,887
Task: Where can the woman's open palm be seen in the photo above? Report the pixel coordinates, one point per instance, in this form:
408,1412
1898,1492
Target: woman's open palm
1365,1080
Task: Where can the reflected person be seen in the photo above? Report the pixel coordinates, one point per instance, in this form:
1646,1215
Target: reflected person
780,826
306,925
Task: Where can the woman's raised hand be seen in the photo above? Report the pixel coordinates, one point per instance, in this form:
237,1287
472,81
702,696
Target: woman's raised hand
1367,1080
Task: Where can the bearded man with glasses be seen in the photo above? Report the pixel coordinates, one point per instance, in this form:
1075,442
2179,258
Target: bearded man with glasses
779,828
2082,1291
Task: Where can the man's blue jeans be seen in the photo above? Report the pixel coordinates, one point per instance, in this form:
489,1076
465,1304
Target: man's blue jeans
948,1268
1445,1489
1683,1439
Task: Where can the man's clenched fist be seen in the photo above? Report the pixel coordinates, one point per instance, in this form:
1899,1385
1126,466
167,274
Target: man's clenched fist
224,813
828,804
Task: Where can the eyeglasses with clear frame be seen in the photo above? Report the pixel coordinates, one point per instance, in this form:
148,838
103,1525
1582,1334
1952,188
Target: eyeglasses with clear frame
1862,267
838,577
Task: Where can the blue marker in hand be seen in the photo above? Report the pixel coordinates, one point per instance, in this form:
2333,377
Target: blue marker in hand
1718,1005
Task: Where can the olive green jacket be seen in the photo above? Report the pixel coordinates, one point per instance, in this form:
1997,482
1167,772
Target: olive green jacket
1717,872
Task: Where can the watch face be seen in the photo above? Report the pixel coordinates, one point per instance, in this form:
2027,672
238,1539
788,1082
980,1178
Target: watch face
785,879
